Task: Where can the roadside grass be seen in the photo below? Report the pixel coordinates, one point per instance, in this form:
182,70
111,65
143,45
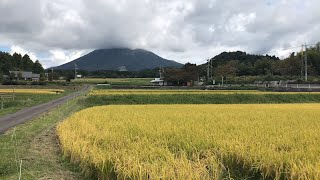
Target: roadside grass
202,99
35,144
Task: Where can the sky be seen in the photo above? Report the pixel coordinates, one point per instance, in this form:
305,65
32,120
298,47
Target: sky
59,31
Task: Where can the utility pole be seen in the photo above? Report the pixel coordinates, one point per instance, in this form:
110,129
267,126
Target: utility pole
160,72
52,74
75,71
222,80
306,63
302,62
208,69
211,68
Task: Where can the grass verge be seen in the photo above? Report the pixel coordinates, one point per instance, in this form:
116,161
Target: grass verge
27,100
35,144
203,99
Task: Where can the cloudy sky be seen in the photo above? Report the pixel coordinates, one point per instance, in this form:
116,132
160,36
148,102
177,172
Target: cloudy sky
59,31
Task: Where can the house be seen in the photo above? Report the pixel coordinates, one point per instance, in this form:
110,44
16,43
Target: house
35,77
122,69
158,82
25,75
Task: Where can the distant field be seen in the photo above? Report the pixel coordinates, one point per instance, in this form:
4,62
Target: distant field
32,91
115,81
104,97
28,97
98,92
255,141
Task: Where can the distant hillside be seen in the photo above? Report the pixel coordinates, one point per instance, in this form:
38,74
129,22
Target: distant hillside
243,57
119,59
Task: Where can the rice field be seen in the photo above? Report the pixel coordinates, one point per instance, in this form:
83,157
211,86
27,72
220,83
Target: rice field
32,91
100,92
278,141
115,81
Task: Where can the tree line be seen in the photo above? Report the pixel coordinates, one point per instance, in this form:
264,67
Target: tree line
17,62
232,65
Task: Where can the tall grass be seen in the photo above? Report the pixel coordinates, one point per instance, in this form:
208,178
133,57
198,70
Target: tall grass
202,99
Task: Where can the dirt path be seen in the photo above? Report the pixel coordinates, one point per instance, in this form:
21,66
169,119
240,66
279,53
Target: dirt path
11,120
44,150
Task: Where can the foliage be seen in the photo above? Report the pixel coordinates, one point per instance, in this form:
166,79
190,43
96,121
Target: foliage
195,141
232,64
16,62
69,74
189,72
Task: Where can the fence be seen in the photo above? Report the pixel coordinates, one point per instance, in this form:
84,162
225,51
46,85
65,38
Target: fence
4,97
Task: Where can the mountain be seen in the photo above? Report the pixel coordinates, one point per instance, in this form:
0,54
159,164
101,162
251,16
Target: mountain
119,59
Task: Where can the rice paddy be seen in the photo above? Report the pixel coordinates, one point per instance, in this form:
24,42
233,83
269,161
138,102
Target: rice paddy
278,141
32,91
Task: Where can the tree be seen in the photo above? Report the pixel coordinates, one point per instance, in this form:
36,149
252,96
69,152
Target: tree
188,73
245,69
37,68
263,66
17,61
12,76
229,69
26,63
1,77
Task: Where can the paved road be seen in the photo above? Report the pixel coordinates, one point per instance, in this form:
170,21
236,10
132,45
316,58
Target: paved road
11,120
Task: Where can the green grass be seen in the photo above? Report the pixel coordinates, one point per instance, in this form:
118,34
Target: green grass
203,99
29,142
27,100
115,81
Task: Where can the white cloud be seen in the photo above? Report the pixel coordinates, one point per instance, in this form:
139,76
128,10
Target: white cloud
59,56
239,22
22,51
182,30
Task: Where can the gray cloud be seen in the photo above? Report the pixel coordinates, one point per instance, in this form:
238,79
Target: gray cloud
185,30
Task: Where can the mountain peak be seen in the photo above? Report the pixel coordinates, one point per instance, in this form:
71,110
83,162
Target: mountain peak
115,58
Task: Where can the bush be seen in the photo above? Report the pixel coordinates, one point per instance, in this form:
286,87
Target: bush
40,83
